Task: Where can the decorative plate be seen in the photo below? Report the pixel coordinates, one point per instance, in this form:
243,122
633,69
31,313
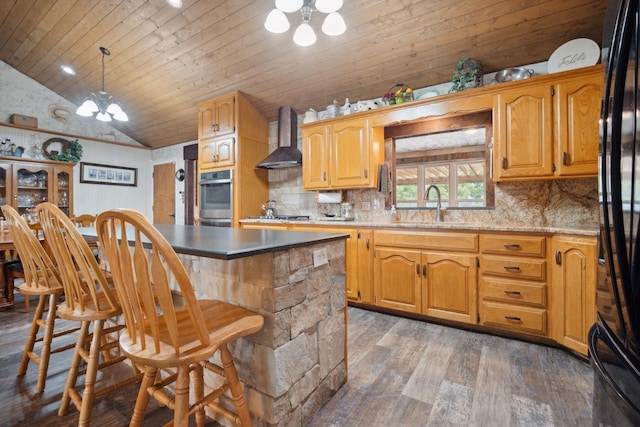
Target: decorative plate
49,153
574,54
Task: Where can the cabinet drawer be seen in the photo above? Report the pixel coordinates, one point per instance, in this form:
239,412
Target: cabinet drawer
521,268
522,319
465,242
515,245
510,292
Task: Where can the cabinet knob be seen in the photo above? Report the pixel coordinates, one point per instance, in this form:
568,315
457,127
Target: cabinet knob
565,158
504,162
424,270
511,246
324,176
558,258
511,268
366,174
508,292
367,244
516,318
418,269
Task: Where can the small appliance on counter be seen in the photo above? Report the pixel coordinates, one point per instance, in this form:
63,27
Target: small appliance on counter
269,209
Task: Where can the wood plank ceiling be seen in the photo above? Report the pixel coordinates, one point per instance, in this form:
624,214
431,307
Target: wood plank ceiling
164,61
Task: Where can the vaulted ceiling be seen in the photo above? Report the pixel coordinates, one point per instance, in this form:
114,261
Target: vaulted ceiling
164,61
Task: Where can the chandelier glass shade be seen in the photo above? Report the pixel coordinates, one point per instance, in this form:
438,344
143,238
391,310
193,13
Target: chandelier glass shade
304,35
105,106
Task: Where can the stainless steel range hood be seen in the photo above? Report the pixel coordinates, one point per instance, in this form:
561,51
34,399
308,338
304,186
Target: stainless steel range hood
287,154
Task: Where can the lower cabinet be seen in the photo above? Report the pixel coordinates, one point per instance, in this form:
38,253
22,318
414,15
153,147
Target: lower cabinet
429,282
574,290
513,283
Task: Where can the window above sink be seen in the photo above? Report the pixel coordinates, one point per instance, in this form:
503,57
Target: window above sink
452,153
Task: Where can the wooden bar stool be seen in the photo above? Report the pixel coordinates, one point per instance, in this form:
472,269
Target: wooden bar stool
90,300
41,278
161,335
14,270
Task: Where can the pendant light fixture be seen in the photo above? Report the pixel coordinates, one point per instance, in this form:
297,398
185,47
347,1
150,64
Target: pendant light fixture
106,107
304,35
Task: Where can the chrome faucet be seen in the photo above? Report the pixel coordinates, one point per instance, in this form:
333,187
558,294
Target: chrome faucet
438,201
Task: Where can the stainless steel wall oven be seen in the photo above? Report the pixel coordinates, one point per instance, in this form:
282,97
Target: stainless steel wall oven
216,198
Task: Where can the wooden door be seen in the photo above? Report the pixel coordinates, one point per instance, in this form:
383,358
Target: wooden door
225,152
450,290
315,158
164,194
574,290
349,164
225,116
206,119
577,116
365,266
522,130
398,279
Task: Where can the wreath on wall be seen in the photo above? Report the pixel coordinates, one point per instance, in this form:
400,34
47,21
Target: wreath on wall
71,151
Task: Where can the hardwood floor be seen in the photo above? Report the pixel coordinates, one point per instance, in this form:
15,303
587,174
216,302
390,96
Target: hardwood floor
402,372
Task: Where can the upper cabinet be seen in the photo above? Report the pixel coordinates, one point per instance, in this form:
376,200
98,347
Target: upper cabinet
216,117
340,155
548,130
216,152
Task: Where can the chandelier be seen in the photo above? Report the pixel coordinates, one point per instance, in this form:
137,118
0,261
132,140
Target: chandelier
304,35
101,104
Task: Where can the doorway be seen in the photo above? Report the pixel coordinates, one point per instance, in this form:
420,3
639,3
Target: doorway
164,194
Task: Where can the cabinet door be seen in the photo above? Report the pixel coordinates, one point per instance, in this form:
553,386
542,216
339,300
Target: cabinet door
577,115
31,185
349,165
315,158
522,133
365,261
63,189
6,192
216,117
574,290
225,152
398,279
450,290
225,116
206,119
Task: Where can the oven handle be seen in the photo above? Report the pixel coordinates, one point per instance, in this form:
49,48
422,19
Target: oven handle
216,181
216,222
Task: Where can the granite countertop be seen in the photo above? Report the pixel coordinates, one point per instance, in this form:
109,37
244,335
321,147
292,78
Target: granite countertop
231,243
461,226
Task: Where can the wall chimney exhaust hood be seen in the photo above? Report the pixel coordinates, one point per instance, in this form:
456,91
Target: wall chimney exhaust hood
287,154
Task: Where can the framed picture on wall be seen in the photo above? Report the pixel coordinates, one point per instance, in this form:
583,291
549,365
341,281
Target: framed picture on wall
93,173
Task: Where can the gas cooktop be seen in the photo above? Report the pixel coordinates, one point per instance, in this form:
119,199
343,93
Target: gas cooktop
288,217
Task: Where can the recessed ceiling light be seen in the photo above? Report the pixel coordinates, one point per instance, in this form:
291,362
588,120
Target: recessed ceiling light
68,70
175,3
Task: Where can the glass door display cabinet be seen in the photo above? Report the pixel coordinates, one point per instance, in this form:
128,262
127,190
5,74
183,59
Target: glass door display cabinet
26,183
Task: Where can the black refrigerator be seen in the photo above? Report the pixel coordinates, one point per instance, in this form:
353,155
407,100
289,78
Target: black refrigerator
614,341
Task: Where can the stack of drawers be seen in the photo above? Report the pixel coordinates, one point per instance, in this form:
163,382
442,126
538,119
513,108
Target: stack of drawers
513,283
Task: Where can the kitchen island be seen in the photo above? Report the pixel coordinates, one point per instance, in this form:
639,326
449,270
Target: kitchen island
296,280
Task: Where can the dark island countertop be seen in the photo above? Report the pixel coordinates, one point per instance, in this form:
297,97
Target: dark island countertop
231,243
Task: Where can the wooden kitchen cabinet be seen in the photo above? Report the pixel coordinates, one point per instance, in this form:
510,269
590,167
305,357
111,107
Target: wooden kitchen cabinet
216,117
234,135
315,158
340,155
432,282
574,275
548,130
513,283
25,183
215,153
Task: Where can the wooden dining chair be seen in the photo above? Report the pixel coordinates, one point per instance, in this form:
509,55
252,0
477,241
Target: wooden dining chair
89,299
163,335
84,220
41,278
13,270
